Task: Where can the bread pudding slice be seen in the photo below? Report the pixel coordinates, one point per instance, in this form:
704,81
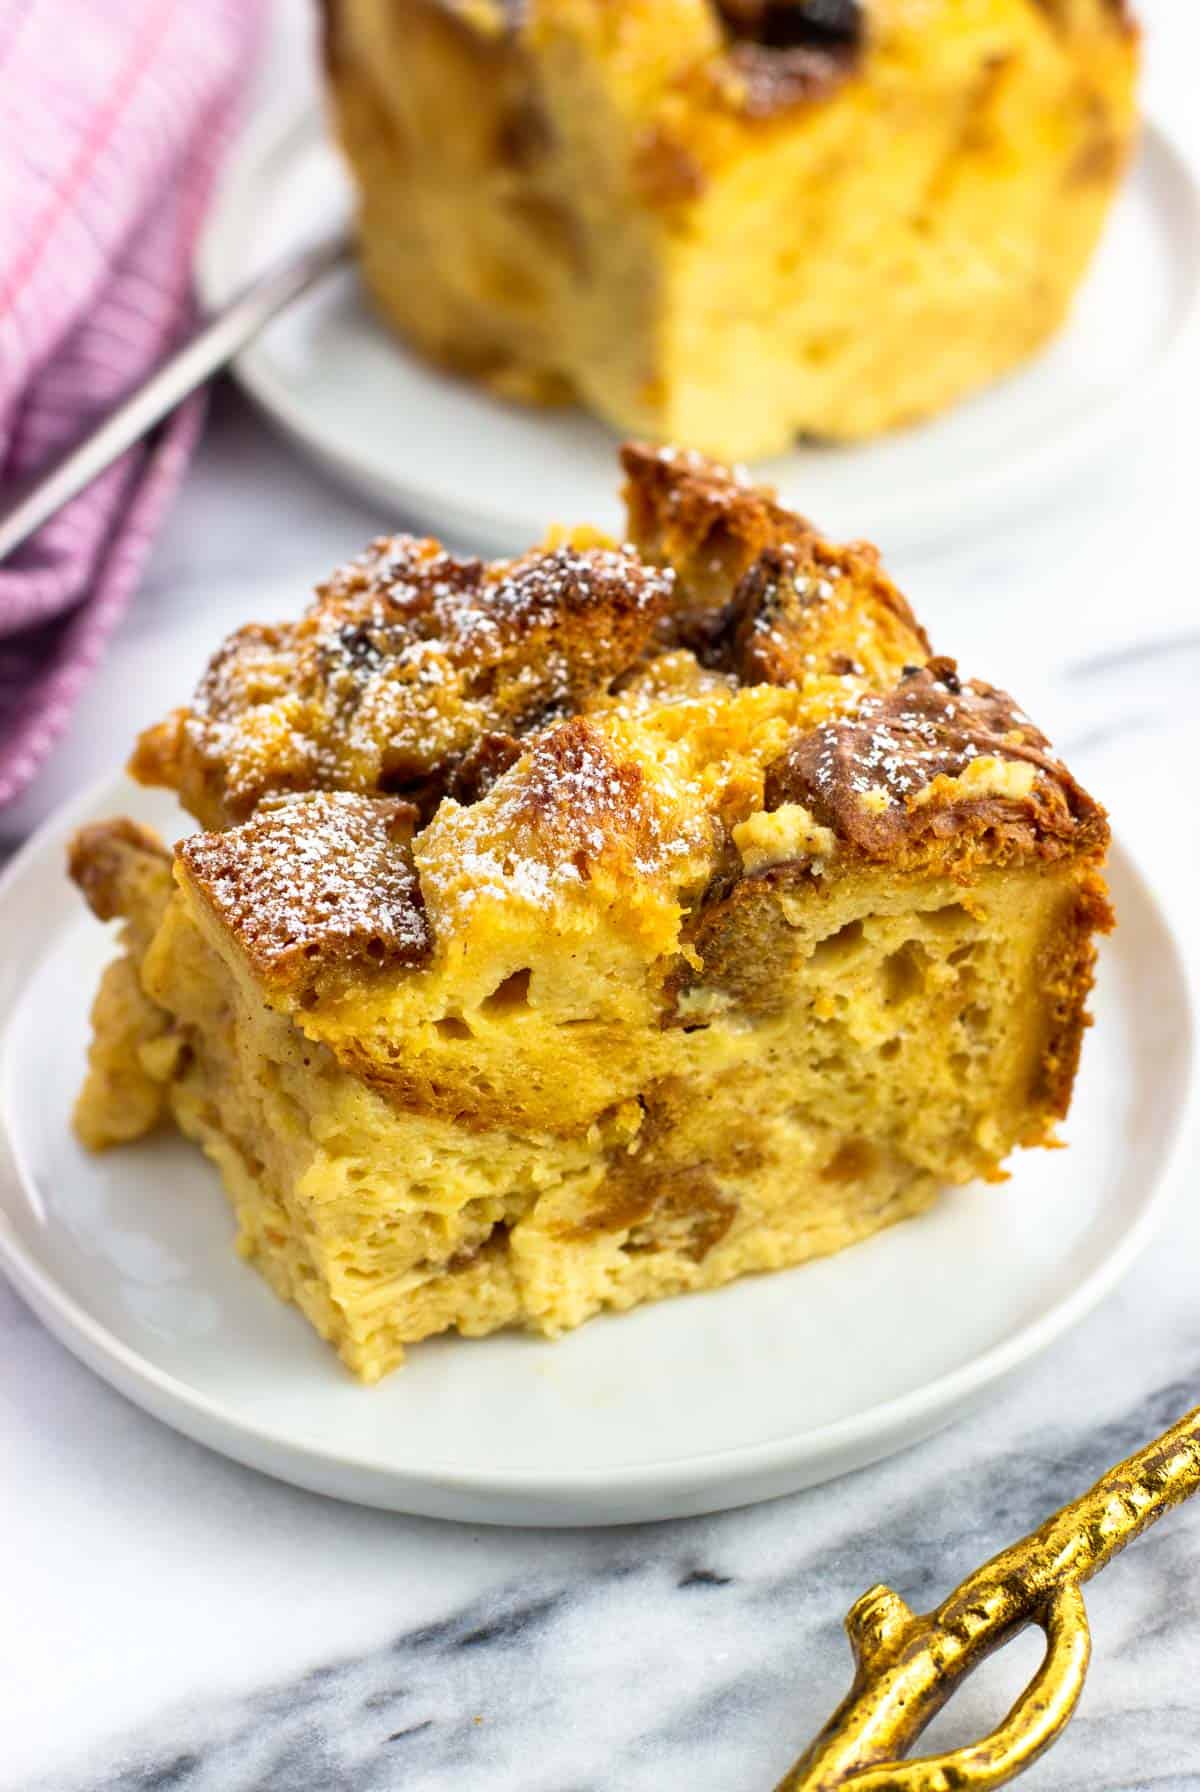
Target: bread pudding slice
573,931
727,223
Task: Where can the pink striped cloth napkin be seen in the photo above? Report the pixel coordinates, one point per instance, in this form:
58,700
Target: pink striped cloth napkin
113,115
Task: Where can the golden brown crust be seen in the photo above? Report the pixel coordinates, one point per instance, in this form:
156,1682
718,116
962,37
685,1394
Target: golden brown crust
893,780
106,858
407,659
706,521
1065,976
481,766
124,872
761,594
805,609
418,674
585,805
314,884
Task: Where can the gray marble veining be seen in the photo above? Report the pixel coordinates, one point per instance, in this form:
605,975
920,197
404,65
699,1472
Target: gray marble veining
700,1654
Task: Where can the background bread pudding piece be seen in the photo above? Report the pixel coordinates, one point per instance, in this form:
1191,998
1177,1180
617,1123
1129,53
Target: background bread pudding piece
578,930
729,222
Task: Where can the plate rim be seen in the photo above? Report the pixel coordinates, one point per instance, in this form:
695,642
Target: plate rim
970,499
726,1473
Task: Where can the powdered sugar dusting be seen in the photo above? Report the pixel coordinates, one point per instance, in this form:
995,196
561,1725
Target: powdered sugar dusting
316,880
898,751
575,809
409,658
868,773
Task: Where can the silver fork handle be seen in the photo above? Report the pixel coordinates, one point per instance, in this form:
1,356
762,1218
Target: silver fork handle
25,508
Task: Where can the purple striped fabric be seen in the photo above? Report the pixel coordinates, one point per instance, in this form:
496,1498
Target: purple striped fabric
113,114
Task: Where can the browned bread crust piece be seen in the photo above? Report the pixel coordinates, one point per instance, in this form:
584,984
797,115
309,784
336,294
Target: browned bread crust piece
315,882
417,674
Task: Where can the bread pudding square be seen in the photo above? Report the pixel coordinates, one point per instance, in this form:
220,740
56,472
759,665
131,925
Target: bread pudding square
727,223
568,932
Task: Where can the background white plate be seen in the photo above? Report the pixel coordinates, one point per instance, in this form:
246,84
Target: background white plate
690,1406
492,475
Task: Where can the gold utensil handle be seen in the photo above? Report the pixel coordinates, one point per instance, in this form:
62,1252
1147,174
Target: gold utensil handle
907,1665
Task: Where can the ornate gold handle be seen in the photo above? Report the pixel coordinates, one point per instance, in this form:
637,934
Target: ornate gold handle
907,1665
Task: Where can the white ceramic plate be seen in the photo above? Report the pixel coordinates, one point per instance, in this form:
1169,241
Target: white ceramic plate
488,474
690,1406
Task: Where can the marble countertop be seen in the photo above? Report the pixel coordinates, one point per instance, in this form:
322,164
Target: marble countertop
175,1621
